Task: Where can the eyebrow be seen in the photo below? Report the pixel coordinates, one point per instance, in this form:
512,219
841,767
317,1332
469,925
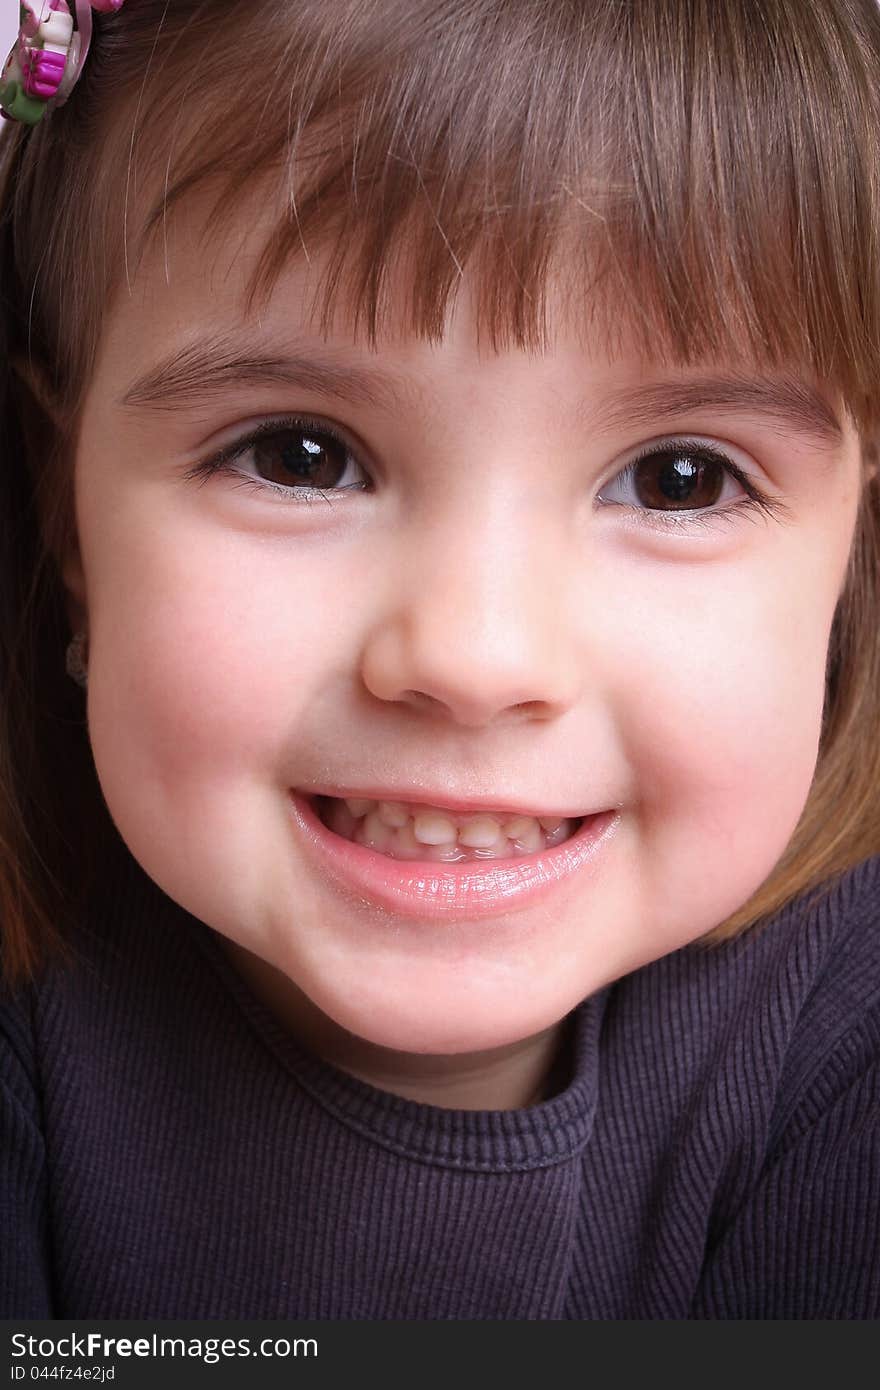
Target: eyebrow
792,403
199,372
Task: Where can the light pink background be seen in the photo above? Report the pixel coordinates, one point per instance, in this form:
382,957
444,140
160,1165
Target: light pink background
8,26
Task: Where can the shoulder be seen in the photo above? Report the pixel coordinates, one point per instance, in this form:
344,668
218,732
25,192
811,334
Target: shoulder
822,954
769,1011
822,950
802,1239
118,962
814,967
25,1279
833,934
18,1061
833,1054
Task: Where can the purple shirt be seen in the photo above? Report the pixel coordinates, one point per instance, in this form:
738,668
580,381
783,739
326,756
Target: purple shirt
167,1151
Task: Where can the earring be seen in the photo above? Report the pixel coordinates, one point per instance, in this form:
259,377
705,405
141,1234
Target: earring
77,656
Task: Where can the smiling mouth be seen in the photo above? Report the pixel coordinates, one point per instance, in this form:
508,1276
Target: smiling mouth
408,831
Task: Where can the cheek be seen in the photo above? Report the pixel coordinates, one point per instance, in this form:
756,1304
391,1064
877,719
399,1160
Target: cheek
202,670
723,728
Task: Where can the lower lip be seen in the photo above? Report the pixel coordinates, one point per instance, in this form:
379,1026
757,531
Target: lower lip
450,892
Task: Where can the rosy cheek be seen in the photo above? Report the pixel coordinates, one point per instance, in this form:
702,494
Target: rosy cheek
724,720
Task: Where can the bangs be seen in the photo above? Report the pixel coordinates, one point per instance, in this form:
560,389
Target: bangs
706,173
704,176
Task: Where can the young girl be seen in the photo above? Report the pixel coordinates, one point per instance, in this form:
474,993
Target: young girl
441,671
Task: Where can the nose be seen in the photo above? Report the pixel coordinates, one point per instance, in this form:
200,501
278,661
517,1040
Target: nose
476,623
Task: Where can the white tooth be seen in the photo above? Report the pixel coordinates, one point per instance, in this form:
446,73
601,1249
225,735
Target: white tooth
550,823
430,828
357,807
518,826
393,813
374,833
530,846
479,833
534,840
525,833
500,849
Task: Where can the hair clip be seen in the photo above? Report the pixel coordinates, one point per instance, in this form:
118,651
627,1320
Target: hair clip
47,59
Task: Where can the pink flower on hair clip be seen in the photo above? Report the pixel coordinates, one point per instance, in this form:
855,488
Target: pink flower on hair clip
44,52
35,68
48,58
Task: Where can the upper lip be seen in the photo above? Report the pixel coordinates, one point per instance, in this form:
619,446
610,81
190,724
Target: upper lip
460,805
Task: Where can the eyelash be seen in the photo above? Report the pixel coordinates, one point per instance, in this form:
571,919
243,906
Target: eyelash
755,502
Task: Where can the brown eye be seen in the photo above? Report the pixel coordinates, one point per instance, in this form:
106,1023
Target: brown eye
675,479
293,460
293,457
680,476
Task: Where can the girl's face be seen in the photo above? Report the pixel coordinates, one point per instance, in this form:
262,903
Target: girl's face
481,604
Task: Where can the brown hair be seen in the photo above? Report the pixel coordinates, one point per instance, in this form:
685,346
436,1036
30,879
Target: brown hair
706,171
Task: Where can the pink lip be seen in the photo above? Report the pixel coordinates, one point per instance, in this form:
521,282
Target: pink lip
448,892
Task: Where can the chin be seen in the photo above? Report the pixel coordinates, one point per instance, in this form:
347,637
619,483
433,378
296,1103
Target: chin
442,1026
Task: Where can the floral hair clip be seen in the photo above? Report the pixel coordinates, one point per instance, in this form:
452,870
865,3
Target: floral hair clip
44,66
